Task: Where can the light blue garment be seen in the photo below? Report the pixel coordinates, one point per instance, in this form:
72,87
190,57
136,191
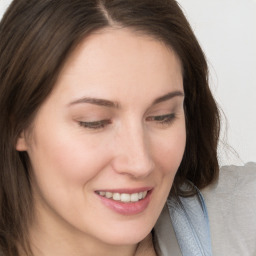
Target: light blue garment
185,229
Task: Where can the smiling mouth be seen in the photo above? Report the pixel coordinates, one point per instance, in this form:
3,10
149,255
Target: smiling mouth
123,197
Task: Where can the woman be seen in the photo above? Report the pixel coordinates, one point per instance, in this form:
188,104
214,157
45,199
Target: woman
108,130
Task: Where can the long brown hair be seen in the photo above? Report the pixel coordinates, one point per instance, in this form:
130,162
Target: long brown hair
37,37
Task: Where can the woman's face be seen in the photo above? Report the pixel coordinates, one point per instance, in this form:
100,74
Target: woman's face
106,144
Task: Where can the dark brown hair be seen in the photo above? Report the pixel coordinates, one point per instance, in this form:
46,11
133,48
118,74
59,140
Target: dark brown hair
37,37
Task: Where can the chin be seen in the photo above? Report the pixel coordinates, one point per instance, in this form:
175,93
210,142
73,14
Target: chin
128,239
128,236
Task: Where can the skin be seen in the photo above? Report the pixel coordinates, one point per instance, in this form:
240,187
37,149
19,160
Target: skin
133,149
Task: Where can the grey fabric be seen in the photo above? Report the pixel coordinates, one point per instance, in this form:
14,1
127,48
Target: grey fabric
231,204
183,228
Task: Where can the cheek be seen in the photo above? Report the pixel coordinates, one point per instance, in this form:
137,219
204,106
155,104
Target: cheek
65,160
169,150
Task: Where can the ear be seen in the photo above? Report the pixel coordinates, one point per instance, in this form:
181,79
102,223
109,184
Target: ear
21,144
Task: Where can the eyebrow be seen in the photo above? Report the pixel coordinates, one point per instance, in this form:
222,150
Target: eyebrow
95,101
168,96
113,104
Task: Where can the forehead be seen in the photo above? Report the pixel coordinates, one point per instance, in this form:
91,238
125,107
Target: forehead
117,59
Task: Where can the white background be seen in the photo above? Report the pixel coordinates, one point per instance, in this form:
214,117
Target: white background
226,30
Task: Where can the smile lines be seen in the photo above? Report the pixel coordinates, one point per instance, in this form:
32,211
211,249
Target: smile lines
124,197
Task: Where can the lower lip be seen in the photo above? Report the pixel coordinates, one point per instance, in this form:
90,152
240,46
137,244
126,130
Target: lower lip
131,208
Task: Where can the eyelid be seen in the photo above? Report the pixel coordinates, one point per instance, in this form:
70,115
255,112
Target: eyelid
94,125
160,118
162,121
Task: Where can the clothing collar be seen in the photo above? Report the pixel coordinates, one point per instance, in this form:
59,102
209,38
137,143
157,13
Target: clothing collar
183,228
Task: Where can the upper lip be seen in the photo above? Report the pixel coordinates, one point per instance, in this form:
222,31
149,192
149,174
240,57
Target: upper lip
126,190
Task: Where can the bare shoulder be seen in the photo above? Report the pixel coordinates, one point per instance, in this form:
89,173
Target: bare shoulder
231,204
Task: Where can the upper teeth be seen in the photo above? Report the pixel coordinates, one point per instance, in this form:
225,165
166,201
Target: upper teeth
124,197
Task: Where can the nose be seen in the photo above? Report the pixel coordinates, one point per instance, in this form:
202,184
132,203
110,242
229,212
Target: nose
132,153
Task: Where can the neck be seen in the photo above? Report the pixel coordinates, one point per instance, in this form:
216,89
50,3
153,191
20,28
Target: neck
146,247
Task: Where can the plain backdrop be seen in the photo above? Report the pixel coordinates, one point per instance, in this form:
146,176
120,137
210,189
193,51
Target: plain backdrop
226,30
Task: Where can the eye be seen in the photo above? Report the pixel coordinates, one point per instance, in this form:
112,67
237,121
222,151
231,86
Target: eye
95,125
163,120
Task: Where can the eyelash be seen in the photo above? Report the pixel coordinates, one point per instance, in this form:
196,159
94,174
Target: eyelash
163,120
96,125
